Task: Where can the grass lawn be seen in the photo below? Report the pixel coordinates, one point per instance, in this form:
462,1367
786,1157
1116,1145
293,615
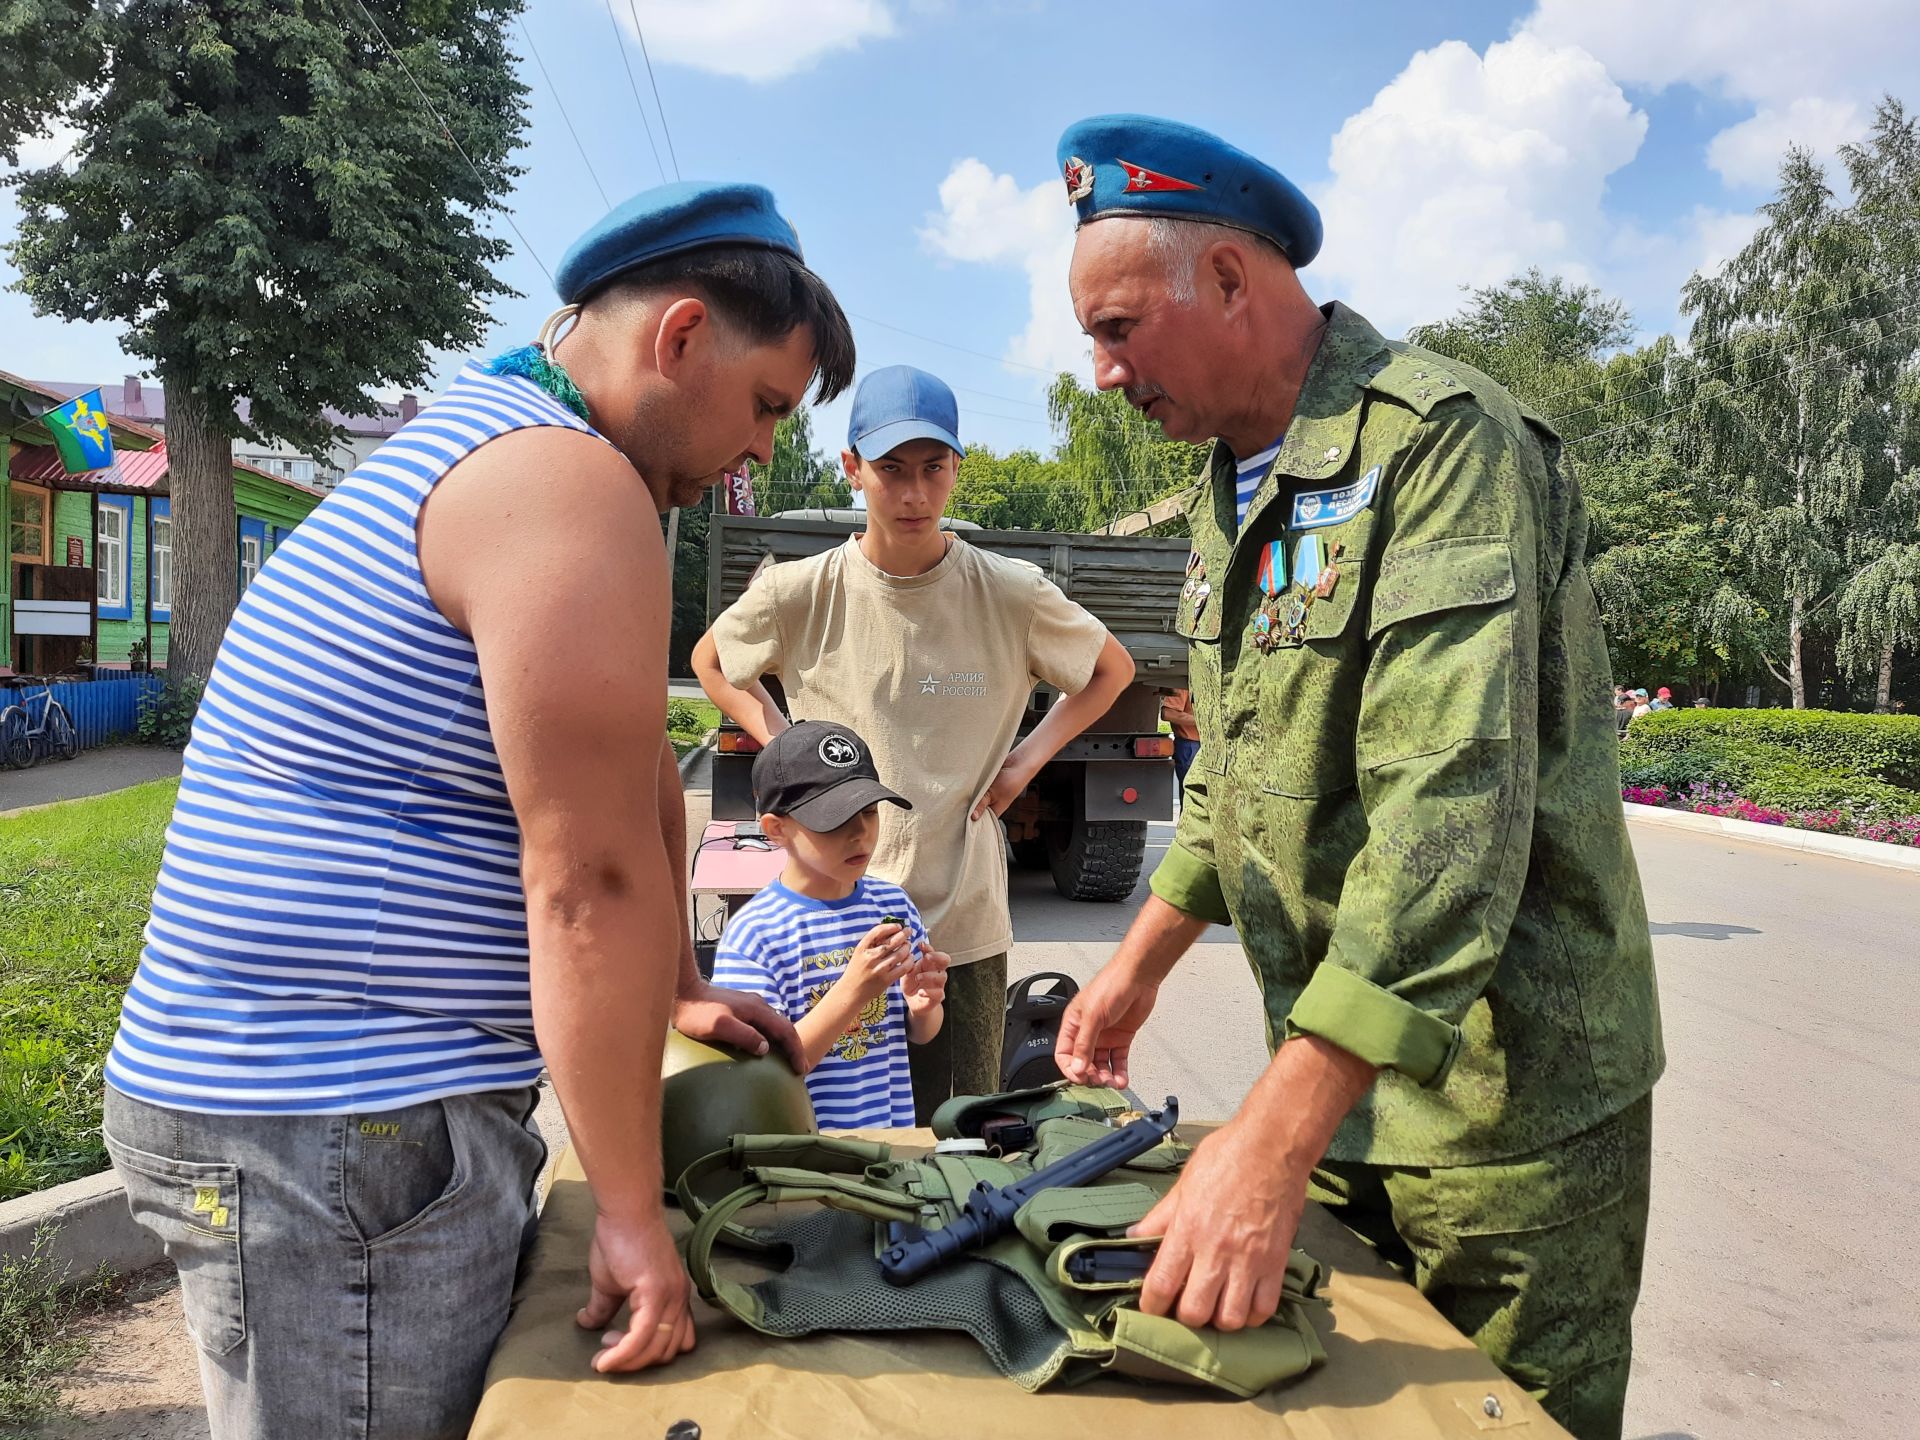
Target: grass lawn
75,882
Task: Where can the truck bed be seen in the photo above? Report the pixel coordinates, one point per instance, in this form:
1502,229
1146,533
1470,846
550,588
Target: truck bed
1130,582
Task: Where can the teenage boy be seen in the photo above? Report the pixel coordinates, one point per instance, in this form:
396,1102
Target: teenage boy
841,954
930,647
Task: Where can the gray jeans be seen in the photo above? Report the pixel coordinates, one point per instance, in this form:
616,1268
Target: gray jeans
343,1275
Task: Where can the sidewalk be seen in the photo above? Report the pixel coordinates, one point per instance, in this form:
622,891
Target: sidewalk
92,772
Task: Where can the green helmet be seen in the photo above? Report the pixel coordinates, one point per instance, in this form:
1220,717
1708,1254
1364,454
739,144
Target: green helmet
709,1095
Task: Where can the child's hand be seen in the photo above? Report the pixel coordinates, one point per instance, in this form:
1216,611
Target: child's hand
884,954
926,983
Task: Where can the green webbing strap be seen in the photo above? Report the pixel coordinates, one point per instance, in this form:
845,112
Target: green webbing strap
1057,1215
812,1152
775,1186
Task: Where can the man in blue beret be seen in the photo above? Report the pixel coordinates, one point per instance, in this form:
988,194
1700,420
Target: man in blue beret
430,841
1406,797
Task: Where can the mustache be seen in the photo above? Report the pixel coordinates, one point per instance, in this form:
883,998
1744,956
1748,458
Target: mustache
1138,396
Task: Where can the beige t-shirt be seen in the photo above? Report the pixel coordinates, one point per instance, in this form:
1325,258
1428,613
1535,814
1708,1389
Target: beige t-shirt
934,672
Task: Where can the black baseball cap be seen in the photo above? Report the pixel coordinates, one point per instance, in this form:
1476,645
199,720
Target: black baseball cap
818,774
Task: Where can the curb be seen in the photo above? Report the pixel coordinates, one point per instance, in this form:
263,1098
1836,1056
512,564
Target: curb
1782,837
93,1225
692,757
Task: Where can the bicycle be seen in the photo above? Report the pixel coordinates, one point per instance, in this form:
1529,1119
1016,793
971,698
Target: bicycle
22,742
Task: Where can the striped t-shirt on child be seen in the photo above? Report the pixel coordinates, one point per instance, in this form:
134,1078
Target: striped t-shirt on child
789,949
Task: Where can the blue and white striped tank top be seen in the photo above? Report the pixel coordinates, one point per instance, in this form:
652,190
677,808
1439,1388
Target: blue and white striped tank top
338,923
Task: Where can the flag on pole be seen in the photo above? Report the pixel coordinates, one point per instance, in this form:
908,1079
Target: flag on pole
80,433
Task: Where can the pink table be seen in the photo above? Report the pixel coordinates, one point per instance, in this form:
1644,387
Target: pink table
722,869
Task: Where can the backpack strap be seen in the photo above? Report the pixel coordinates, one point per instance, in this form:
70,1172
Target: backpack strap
825,1153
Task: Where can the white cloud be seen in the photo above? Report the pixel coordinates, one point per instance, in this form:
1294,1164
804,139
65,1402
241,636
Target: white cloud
757,39
987,218
1750,153
1466,169
1812,69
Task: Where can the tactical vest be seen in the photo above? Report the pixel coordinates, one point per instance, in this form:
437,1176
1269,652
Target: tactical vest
1050,1304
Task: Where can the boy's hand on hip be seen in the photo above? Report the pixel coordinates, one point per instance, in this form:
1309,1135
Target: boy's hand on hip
1006,788
635,1263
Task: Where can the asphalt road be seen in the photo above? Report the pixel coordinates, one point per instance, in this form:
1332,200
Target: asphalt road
1782,1292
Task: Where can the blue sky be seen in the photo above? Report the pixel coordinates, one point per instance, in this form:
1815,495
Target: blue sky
912,144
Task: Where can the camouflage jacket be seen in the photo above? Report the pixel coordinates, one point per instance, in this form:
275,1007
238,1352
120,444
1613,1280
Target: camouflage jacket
1407,793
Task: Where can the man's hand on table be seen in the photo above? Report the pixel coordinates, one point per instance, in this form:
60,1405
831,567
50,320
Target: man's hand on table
635,1263
717,1015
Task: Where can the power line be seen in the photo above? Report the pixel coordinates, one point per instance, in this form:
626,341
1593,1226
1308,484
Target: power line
527,35
949,345
1776,347
620,42
1719,344
665,129
1731,390
447,131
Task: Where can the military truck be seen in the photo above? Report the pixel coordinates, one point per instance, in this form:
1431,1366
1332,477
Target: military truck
1085,816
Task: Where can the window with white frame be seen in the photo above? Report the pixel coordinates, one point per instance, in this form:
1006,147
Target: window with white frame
249,559
110,557
162,562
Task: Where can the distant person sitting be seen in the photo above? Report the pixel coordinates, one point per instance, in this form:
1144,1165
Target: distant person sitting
1640,704
1623,703
841,954
1662,699
1699,702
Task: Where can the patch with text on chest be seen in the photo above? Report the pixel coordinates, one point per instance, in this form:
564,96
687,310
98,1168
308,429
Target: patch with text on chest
1315,509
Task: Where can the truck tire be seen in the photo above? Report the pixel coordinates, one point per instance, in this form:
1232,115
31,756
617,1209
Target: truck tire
1096,859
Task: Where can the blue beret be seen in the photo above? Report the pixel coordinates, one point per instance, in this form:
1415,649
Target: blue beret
1141,165
670,220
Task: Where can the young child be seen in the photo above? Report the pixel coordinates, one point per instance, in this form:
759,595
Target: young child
841,954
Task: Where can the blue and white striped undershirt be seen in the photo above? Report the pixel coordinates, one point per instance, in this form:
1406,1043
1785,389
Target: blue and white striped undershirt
338,924
1248,474
789,949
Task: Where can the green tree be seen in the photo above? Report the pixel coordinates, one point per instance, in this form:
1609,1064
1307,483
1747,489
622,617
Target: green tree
1016,491
1543,339
261,196
1879,607
799,477
1112,460
1790,418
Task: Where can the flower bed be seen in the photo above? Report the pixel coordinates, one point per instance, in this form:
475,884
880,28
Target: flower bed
1702,798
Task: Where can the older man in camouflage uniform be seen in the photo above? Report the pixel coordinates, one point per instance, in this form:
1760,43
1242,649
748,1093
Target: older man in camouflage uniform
1406,798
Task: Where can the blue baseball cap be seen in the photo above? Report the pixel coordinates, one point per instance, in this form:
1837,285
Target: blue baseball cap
670,220
1142,165
898,404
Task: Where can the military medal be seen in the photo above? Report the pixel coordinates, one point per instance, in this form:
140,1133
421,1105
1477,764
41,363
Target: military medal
1196,589
1271,576
1307,561
1330,576
1297,606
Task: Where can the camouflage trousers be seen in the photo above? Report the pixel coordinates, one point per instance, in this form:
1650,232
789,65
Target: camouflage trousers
1536,1259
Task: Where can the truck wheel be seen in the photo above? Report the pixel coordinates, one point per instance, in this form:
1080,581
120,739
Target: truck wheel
1030,854
1096,859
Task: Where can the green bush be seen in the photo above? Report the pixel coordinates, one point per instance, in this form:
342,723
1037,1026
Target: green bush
683,717
166,715
1873,747
1865,765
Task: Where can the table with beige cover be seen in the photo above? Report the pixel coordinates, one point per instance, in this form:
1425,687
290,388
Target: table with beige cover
1395,1370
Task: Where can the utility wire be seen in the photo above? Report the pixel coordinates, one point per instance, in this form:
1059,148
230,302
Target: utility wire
1740,359
1731,390
665,129
1728,340
527,35
447,131
620,41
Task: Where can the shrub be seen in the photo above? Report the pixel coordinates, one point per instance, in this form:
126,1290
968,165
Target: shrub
1790,761
684,718
166,714
1876,747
